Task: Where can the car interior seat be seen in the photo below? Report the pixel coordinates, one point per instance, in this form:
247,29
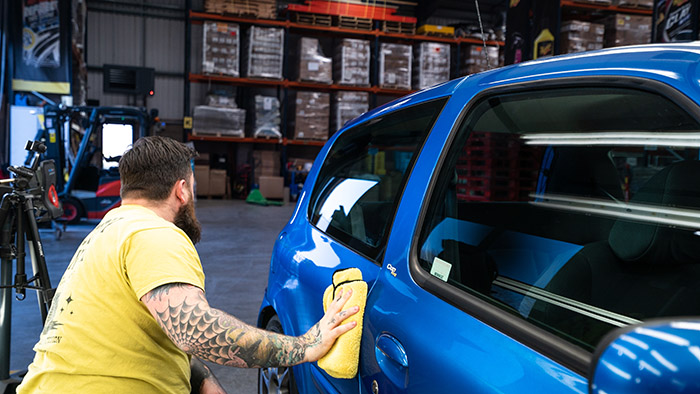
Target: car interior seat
584,173
642,270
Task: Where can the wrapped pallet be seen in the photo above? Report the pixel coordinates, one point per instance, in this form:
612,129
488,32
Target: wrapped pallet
267,117
312,115
395,66
348,106
351,62
623,29
218,121
220,49
264,49
313,66
431,64
475,60
579,36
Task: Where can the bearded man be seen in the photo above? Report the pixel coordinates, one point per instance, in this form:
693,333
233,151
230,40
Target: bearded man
130,314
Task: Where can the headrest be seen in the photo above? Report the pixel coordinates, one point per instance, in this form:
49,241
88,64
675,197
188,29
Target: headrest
676,186
584,173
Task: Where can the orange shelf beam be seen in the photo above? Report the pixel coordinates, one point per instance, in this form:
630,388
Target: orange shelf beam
202,78
304,142
215,138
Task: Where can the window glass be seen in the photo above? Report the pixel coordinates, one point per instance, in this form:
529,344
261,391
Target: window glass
577,210
359,185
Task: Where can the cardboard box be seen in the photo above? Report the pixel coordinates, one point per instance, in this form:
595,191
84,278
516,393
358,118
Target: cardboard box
623,29
201,179
431,64
217,183
351,62
312,114
580,36
265,163
220,50
218,121
395,66
475,61
272,187
264,49
348,106
313,66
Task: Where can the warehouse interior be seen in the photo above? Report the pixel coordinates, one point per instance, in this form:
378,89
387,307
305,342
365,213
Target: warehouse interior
257,88
191,68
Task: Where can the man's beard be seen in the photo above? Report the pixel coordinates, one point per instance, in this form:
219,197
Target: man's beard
187,221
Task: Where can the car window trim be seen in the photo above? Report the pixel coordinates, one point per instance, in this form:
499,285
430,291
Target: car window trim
544,342
411,165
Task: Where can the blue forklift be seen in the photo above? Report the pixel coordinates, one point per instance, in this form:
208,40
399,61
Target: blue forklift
86,144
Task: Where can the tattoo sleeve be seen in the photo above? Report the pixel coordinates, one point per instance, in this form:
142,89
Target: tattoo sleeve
210,334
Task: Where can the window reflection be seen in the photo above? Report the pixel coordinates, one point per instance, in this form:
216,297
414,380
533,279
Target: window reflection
341,199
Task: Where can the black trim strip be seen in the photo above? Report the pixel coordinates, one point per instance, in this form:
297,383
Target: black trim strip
539,340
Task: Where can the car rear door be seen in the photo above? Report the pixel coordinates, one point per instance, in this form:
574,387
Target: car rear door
352,206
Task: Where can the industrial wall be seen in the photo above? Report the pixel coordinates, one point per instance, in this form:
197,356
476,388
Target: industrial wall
146,34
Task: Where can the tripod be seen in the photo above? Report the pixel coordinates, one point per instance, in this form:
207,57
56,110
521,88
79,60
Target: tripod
30,197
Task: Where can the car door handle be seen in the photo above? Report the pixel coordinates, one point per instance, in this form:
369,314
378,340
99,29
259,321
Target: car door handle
389,348
392,360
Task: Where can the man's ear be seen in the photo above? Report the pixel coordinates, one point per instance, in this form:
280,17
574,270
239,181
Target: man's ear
181,191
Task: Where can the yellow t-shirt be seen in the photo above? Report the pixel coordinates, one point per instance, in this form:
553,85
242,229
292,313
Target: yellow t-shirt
99,337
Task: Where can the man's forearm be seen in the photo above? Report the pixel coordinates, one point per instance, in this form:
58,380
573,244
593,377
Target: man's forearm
216,336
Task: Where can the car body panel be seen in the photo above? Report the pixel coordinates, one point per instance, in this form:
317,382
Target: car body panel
404,323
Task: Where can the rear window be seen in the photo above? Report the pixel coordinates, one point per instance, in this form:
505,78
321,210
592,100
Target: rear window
360,183
577,210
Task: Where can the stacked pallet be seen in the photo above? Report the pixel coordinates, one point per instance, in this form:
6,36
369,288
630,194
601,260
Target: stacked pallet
263,9
496,167
352,16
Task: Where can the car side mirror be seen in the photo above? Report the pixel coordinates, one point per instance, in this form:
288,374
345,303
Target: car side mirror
658,356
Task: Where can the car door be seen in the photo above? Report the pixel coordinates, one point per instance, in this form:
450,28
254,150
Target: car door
511,253
351,208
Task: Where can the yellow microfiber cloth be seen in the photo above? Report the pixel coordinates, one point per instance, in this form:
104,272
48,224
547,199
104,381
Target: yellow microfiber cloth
342,360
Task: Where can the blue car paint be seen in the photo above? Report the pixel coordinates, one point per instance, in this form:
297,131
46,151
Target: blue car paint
481,358
639,357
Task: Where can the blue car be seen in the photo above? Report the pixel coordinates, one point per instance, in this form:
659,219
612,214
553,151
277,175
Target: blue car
530,228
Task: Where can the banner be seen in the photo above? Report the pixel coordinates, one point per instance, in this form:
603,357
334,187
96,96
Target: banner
518,42
674,20
41,46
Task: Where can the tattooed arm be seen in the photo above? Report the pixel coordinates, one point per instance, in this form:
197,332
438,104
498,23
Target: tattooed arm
210,334
202,380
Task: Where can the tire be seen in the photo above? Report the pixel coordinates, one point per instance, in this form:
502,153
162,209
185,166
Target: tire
72,210
279,380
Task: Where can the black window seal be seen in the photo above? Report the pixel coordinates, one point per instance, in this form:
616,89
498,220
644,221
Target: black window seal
378,260
544,342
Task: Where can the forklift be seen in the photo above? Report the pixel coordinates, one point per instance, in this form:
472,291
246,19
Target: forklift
86,143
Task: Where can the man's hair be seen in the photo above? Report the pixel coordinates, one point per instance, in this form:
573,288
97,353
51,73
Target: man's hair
152,166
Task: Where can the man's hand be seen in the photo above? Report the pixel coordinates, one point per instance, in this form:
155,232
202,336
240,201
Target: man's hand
323,334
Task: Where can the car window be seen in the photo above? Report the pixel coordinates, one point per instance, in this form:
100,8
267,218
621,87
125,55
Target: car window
359,185
577,210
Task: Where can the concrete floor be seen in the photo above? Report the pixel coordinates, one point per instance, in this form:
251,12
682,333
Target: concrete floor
237,240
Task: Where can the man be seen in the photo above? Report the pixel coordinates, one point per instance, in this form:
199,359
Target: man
130,313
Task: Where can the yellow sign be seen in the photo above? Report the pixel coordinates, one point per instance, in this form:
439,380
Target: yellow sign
187,122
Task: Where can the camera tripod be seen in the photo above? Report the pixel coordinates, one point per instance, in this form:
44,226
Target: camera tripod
29,197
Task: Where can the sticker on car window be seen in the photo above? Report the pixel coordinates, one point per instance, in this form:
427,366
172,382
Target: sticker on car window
441,269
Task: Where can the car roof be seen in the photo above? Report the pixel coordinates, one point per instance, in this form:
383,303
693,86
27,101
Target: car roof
675,64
